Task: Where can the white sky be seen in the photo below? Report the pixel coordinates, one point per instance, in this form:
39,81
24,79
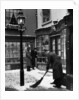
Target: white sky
58,14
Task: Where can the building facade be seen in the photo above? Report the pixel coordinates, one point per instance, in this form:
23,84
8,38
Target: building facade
12,36
48,32
55,33
46,29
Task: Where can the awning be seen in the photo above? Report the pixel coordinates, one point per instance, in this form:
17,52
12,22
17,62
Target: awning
43,31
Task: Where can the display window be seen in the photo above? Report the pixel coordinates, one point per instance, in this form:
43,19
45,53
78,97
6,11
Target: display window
42,43
63,46
59,47
12,54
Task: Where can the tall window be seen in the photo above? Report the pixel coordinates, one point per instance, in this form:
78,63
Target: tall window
59,46
46,15
63,46
53,45
56,45
42,44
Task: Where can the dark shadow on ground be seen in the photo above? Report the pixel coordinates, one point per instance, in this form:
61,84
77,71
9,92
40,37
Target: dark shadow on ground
40,88
10,89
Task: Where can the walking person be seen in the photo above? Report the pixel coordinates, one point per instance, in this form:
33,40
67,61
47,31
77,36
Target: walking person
28,59
55,63
34,56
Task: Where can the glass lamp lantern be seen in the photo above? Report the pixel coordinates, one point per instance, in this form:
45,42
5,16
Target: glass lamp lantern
20,19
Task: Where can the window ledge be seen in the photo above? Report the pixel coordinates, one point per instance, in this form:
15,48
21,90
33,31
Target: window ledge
45,23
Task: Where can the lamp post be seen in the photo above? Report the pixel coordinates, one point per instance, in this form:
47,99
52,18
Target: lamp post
21,21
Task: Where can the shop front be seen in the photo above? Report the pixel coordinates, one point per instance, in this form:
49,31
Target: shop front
42,43
60,42
53,41
58,46
12,48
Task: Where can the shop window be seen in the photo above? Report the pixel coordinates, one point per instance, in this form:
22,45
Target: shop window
63,46
53,45
58,47
12,54
42,44
59,53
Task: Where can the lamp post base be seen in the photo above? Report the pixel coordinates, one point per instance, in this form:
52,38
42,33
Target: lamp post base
21,77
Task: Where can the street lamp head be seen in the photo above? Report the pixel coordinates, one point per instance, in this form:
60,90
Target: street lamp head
20,19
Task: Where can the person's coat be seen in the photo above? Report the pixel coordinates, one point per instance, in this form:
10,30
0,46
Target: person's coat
55,64
33,54
28,59
57,70
51,59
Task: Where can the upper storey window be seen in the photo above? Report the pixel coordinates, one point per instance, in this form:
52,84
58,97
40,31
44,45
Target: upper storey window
9,13
46,15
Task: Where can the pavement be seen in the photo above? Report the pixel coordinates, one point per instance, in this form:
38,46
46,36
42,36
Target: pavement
12,81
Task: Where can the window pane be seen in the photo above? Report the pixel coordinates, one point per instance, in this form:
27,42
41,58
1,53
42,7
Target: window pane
53,51
62,55
53,47
53,41
59,53
59,47
59,41
46,14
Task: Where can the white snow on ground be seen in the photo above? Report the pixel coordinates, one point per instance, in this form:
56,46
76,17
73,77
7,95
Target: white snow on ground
12,79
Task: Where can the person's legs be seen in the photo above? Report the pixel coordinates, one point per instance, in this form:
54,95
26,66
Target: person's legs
28,68
33,63
58,82
33,66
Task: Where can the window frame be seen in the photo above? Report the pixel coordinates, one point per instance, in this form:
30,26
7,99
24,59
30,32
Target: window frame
45,18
